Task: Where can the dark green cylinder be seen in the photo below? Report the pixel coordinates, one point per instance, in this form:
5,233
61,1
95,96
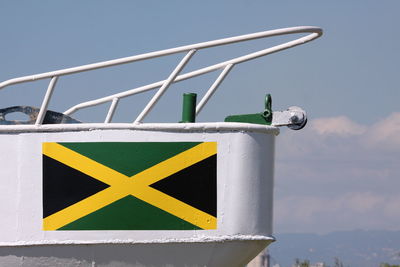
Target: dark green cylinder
189,107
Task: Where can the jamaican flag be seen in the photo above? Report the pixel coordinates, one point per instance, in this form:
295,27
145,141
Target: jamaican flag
130,186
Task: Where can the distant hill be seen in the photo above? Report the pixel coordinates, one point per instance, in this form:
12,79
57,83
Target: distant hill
354,248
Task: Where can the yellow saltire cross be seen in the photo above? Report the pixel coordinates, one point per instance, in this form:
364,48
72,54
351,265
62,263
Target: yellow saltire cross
136,185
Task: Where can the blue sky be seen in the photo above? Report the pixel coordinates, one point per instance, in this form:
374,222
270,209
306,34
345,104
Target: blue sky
339,173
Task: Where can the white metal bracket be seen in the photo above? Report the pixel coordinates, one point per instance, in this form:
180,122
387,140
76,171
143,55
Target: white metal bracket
294,117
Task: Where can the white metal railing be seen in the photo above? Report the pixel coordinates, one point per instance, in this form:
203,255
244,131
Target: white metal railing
175,76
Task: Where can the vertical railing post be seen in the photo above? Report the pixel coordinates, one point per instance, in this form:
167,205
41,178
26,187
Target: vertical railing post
46,100
111,111
213,88
165,86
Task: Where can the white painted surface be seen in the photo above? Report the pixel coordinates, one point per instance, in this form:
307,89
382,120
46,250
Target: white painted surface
176,254
244,199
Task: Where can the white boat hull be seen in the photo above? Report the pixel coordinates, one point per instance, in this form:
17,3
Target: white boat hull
244,205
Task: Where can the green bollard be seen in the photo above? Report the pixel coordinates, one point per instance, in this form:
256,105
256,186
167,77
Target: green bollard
189,107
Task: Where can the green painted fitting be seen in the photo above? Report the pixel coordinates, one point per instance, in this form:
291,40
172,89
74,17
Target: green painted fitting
264,117
189,107
268,108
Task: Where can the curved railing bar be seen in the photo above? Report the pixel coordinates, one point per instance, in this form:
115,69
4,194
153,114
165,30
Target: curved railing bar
109,63
316,32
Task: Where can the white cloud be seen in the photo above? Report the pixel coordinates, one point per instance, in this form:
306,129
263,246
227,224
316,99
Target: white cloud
341,126
362,202
341,135
338,175
385,134
359,210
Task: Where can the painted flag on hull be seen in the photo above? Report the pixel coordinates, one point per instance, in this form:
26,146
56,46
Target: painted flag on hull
130,186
